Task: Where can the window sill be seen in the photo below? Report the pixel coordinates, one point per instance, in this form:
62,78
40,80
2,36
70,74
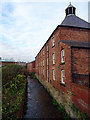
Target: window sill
62,63
62,84
53,46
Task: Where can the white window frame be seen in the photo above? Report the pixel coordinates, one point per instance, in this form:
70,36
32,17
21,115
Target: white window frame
53,41
63,76
43,52
43,72
43,62
47,47
62,55
54,74
47,62
53,58
47,74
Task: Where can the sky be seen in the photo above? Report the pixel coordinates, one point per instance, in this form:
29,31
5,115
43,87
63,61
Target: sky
26,25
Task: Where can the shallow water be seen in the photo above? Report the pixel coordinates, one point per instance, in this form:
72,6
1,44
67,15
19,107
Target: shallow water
39,102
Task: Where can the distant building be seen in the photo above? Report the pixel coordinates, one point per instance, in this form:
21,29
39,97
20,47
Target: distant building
21,63
31,66
5,62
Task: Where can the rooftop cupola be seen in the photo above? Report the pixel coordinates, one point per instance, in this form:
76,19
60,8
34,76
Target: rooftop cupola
70,9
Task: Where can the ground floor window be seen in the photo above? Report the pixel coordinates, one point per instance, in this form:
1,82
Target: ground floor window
62,76
47,74
53,74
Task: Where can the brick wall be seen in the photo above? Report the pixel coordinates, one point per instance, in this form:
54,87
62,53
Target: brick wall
8,63
80,78
80,97
31,66
74,34
80,59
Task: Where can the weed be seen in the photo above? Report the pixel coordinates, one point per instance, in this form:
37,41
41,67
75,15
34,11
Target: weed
81,115
62,110
32,75
55,102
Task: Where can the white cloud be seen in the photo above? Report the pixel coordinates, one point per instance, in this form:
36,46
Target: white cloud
25,27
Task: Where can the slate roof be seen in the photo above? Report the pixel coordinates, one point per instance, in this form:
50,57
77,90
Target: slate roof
74,21
76,43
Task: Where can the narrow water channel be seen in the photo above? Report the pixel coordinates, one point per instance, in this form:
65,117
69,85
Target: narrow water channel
39,102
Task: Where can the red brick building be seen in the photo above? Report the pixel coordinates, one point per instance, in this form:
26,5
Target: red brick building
8,63
11,62
31,66
63,61
21,63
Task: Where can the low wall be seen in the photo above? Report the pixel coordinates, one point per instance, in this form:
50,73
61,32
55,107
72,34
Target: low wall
81,97
60,97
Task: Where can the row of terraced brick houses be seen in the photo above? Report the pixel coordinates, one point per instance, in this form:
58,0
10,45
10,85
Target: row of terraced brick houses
63,61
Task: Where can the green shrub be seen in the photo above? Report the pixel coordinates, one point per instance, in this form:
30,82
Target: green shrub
9,72
12,96
13,91
32,75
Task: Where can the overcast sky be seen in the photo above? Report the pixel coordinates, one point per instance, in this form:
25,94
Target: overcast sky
25,25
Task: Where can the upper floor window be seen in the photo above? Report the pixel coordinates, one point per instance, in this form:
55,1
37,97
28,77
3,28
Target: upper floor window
43,72
47,73
62,55
43,52
47,62
53,74
47,47
53,58
43,62
62,76
53,41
